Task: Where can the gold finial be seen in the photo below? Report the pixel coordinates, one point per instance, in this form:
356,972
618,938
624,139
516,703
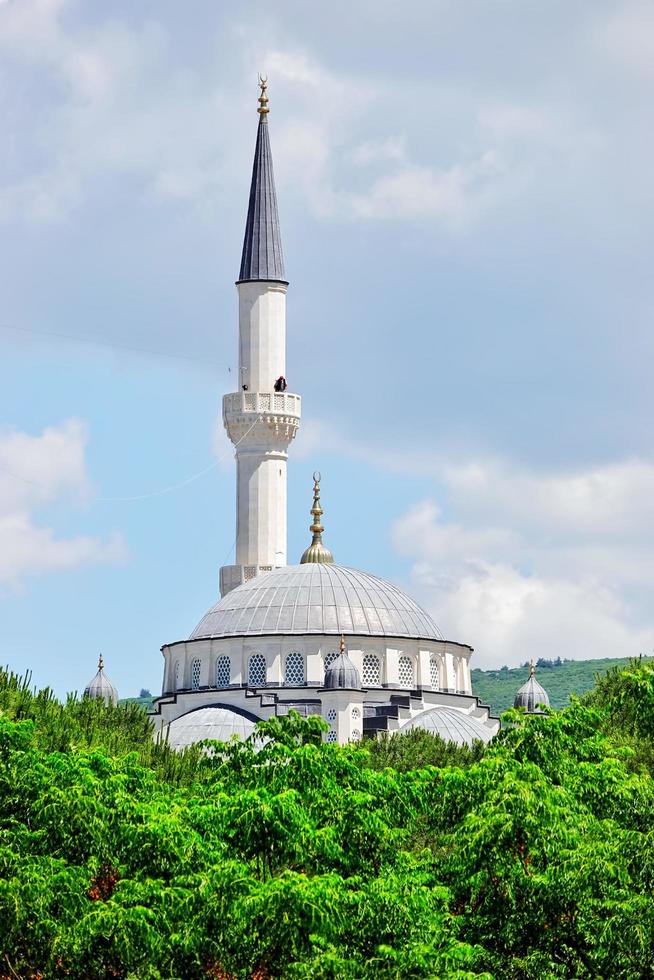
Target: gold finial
100,662
263,109
342,643
316,553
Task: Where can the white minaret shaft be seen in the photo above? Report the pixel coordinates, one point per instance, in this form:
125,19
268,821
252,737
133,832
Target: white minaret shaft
260,420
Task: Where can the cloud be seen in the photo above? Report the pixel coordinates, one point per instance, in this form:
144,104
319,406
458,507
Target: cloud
120,104
455,194
537,564
627,35
36,471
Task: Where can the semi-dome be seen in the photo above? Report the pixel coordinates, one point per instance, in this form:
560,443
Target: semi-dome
317,598
531,694
101,687
216,722
451,725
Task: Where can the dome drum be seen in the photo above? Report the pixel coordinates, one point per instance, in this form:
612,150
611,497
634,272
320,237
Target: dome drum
385,664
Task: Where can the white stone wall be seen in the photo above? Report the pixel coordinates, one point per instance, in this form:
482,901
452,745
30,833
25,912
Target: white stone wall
452,659
262,334
343,712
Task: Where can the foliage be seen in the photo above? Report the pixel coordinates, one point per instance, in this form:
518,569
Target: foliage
418,748
560,678
284,856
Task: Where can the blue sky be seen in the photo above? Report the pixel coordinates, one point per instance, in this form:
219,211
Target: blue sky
466,204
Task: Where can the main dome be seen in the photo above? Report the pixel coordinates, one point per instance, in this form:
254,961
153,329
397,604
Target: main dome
324,599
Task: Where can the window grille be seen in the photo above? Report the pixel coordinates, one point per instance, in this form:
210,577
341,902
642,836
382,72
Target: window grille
405,671
434,672
330,658
195,674
371,670
331,715
294,670
177,675
257,670
356,734
331,735
356,714
223,672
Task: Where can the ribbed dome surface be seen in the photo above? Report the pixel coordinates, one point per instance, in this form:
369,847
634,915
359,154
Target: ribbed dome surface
216,722
324,599
342,674
531,695
101,687
451,725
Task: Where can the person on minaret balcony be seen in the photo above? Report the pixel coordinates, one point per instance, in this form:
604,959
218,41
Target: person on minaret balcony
263,417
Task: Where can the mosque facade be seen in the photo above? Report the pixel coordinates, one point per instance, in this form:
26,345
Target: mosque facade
316,637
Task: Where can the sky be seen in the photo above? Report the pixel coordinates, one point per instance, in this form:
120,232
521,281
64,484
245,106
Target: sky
466,205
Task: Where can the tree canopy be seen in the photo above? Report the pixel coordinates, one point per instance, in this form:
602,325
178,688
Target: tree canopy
285,856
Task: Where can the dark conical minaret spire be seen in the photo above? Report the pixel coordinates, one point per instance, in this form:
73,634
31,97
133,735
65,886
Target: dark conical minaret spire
262,256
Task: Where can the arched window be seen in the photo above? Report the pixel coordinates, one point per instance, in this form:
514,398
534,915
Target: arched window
331,735
405,671
294,670
195,674
223,671
356,714
330,658
356,734
176,675
257,670
371,673
434,672
331,716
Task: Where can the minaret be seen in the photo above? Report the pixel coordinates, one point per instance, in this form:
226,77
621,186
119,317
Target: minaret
263,417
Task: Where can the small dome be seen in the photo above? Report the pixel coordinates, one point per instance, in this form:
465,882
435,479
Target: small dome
451,725
531,695
101,686
216,722
342,674
317,598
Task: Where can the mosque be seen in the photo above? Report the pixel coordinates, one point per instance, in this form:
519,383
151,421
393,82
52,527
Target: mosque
316,637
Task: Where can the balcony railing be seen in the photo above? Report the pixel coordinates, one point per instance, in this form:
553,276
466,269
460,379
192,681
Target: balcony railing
258,402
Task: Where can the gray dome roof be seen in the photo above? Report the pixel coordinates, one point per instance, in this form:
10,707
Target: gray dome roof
342,674
317,598
101,687
530,695
217,722
451,725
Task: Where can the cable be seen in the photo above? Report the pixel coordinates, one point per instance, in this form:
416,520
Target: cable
112,346
154,493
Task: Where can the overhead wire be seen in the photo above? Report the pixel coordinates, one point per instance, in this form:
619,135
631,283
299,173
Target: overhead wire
94,342
153,493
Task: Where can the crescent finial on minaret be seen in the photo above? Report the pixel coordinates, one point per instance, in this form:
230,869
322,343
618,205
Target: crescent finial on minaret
263,109
317,553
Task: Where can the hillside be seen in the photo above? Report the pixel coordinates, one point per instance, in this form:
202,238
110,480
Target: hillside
561,679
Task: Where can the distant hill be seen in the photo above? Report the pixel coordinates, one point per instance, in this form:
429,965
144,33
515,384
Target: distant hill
146,703
560,679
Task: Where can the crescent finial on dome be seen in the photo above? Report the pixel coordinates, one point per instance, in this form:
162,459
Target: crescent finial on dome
317,553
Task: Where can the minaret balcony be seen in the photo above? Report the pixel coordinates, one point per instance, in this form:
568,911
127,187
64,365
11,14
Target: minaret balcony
269,419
